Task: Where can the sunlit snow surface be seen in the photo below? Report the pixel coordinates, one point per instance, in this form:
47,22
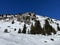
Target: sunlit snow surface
13,38
27,39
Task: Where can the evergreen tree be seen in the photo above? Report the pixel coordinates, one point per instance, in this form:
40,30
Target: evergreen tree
13,22
15,29
48,28
19,31
43,31
38,28
32,31
24,29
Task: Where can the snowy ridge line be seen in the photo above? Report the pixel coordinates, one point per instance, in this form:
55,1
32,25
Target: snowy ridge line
17,30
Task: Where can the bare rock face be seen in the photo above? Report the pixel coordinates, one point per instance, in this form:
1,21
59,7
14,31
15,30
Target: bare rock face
26,17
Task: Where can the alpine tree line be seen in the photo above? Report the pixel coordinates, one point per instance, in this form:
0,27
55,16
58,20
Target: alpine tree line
46,30
37,29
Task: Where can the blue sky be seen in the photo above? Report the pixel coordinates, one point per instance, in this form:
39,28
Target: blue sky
49,8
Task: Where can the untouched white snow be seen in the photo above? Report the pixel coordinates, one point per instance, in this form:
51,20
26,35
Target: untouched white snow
13,38
27,39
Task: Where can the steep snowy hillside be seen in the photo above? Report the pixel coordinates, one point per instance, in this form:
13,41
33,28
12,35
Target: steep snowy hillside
29,29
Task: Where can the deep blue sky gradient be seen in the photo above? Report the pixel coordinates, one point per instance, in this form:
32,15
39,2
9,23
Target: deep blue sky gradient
49,8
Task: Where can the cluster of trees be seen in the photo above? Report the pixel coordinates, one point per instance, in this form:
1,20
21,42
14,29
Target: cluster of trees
50,20
37,29
19,31
46,30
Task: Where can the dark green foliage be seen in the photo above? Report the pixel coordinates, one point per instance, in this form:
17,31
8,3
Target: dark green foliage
43,32
57,24
13,22
33,18
52,39
24,29
19,31
32,31
15,29
36,29
48,29
58,28
6,31
23,17
51,21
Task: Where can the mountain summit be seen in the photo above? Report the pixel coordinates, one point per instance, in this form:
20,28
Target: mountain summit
28,28
30,23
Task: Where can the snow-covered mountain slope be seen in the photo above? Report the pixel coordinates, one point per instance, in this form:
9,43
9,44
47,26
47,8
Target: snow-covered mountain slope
10,25
26,39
